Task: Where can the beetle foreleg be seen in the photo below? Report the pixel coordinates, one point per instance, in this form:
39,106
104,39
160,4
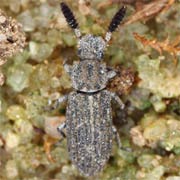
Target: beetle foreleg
60,129
111,74
118,100
117,138
67,67
52,106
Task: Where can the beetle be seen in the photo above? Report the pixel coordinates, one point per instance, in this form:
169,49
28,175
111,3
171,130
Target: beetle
89,127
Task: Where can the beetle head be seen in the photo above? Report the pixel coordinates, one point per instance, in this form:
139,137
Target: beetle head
92,47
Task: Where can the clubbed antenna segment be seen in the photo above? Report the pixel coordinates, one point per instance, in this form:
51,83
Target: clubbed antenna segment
69,16
118,17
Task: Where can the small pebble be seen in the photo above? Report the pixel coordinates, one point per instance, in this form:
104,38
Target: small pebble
2,19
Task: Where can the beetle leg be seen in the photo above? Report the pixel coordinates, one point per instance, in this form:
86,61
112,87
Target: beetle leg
118,100
60,100
117,137
54,105
61,128
111,73
67,67
118,140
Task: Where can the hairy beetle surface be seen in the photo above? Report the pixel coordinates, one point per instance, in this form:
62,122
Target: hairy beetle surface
89,126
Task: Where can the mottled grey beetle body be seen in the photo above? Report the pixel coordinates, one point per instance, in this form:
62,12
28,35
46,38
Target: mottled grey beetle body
89,130
89,127
89,76
89,117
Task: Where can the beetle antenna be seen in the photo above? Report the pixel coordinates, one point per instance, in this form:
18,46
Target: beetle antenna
68,14
116,20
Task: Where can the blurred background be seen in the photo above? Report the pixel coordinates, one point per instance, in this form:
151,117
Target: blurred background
145,53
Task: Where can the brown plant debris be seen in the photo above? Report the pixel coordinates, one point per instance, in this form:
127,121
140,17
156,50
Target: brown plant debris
12,39
52,135
148,11
123,81
107,3
84,7
48,143
172,48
